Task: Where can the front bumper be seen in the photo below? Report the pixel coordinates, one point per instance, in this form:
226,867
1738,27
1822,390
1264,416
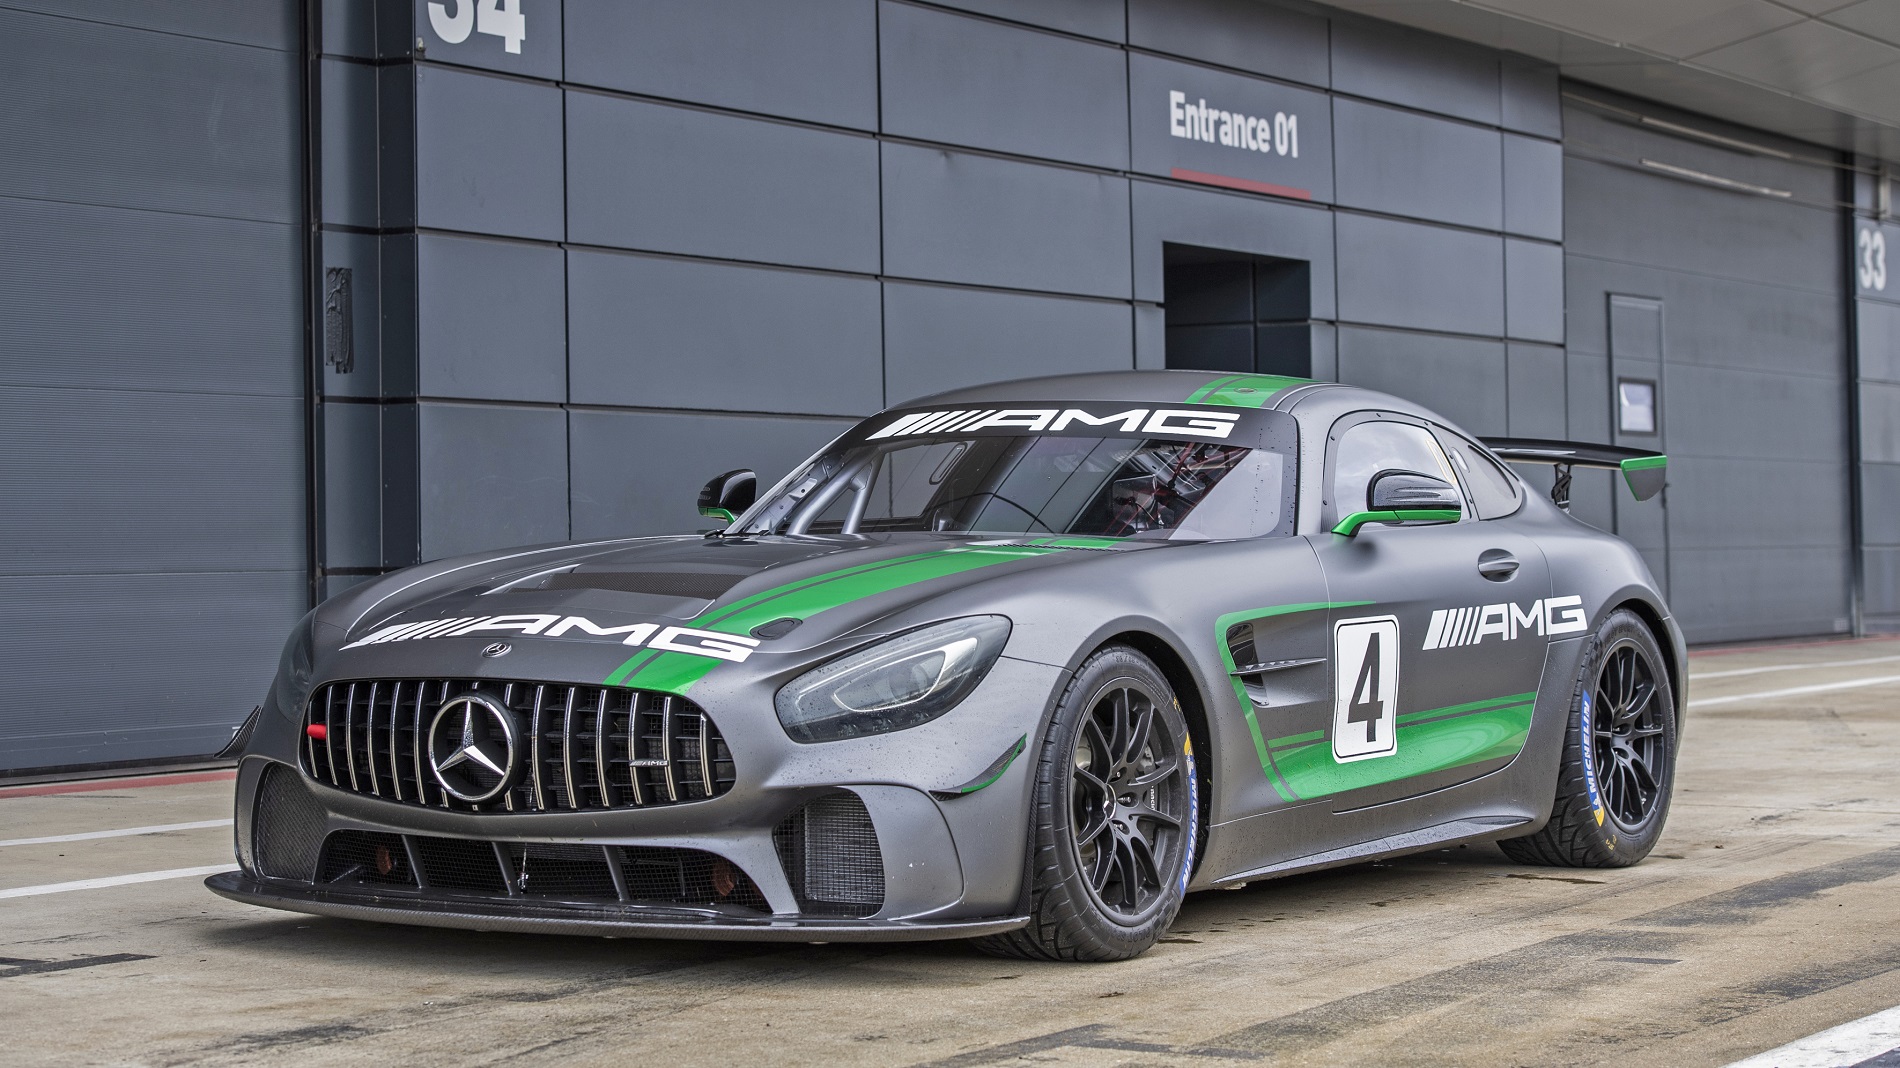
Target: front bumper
587,918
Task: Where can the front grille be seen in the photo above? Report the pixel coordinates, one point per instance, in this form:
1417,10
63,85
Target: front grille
582,747
286,826
633,875
831,857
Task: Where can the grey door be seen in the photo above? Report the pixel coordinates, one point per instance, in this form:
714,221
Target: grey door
1437,630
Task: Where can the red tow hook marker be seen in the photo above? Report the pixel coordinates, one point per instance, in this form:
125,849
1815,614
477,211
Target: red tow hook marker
317,731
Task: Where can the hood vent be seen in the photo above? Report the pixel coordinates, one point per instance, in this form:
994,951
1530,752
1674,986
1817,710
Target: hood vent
661,583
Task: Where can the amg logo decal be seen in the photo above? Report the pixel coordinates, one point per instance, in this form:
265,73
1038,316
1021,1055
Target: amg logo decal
1469,626
1170,422
719,646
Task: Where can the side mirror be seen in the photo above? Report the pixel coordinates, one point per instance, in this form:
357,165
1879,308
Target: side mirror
1405,497
725,496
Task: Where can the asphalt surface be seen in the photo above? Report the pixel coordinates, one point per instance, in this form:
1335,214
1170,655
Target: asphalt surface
1768,913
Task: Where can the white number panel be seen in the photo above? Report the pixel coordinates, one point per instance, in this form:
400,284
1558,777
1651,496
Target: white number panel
1365,688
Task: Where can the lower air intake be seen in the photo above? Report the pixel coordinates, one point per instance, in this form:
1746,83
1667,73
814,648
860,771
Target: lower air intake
831,857
538,871
287,826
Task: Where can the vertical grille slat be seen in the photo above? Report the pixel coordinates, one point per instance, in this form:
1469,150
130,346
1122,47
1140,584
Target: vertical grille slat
395,739
349,734
609,797
539,796
422,788
705,756
666,747
369,741
615,748
567,748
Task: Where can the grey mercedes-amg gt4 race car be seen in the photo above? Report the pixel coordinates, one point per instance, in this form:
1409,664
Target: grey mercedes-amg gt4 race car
1024,664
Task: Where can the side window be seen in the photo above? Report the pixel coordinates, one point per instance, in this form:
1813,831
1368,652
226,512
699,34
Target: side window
1494,493
1367,448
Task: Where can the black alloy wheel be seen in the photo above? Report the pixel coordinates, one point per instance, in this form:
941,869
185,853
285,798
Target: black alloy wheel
1618,764
1127,800
1628,744
1114,815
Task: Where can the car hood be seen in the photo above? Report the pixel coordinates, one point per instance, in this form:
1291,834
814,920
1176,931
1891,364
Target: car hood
686,604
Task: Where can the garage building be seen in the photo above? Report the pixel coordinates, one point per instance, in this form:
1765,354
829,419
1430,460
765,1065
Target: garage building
296,294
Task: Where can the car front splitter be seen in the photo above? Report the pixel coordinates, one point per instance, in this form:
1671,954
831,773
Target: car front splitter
610,921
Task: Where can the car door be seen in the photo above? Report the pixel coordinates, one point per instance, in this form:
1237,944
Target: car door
1437,635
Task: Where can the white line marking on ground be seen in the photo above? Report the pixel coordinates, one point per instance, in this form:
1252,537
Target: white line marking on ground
1697,677
115,880
1836,1047
160,828
1793,691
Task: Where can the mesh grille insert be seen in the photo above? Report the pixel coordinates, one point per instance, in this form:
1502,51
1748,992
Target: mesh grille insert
577,747
287,827
831,857
459,864
366,857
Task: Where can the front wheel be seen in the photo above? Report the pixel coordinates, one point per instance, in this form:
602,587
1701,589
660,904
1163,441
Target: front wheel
1113,818
1619,762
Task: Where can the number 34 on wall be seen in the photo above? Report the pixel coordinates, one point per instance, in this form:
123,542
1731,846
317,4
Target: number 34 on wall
456,19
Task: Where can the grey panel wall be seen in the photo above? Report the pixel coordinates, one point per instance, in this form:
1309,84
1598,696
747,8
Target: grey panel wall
808,211
1877,330
640,472
653,332
1747,332
151,461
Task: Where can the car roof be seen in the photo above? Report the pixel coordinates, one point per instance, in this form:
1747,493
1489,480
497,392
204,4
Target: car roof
1276,392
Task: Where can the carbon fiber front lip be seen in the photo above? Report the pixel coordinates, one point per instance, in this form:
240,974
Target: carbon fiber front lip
577,919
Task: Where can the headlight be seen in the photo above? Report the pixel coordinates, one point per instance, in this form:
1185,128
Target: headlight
292,685
904,682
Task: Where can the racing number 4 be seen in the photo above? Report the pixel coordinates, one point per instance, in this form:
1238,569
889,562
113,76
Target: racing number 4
1365,688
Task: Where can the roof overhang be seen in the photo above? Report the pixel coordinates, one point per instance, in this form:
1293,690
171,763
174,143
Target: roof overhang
1823,71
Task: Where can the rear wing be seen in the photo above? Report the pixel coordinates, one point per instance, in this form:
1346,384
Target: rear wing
1644,472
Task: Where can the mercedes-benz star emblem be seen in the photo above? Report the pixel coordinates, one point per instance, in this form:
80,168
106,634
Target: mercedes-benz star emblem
472,748
497,649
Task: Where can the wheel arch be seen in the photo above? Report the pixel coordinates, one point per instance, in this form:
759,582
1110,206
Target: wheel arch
1665,640
1187,690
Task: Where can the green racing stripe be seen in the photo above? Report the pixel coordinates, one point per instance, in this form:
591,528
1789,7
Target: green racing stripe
1244,391
1430,740
672,672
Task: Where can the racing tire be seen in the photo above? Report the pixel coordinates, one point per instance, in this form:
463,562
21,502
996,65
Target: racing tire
1619,758
1114,817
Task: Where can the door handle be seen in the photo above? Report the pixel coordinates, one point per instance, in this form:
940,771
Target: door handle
1496,564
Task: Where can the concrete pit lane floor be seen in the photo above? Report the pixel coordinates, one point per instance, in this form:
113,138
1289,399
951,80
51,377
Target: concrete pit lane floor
1770,911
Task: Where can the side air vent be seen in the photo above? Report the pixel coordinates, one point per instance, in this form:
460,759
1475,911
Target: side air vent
287,827
831,857
662,583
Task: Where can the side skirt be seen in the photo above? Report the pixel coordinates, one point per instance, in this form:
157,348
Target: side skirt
1470,829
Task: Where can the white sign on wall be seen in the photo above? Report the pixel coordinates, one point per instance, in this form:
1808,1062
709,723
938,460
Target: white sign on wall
455,20
1870,265
1196,121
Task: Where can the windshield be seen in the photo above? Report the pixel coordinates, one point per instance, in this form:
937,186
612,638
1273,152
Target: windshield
1079,484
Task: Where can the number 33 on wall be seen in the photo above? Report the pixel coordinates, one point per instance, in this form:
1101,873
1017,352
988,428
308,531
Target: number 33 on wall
1872,266
1365,688
456,19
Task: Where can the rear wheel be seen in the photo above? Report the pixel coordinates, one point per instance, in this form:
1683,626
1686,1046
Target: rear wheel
1113,817
1619,762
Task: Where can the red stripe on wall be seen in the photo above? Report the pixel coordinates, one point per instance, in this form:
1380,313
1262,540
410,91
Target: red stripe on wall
115,784
1246,184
